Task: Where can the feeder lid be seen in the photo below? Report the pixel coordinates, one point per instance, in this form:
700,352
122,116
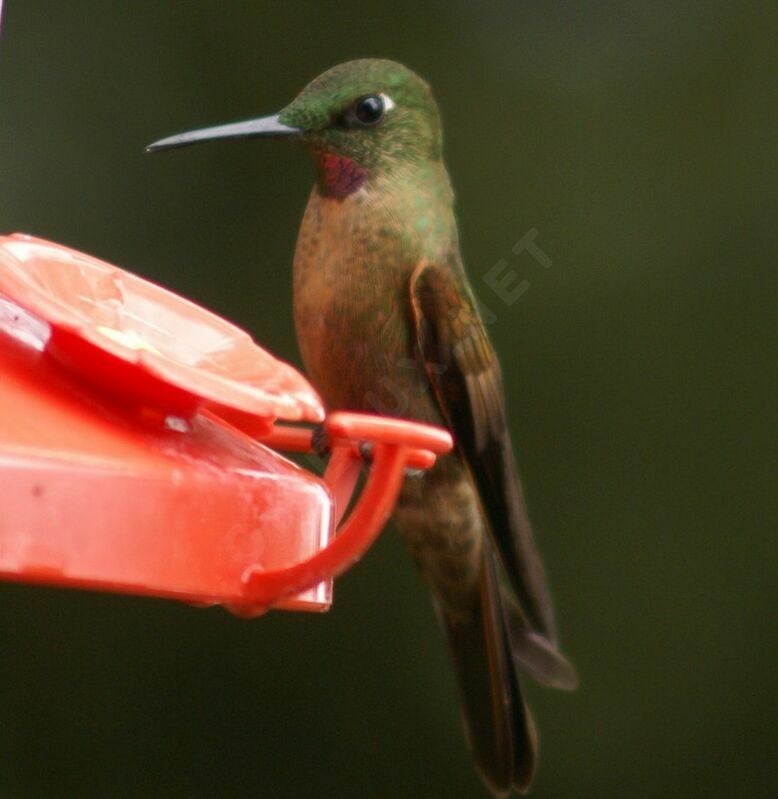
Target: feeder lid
143,342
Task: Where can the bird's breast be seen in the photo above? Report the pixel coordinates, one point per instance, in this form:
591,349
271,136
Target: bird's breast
351,275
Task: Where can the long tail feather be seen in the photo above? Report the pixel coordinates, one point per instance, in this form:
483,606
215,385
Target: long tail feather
498,724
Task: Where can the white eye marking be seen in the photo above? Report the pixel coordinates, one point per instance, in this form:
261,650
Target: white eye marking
388,102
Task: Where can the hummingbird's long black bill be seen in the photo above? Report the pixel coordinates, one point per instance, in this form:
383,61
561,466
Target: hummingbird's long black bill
264,126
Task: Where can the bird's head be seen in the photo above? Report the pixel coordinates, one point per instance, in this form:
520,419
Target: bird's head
359,119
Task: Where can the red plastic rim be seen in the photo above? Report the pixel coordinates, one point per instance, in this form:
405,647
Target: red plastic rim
140,339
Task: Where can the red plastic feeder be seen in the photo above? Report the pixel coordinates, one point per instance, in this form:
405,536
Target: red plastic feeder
128,452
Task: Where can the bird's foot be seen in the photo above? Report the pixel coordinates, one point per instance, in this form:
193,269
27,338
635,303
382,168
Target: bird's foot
320,442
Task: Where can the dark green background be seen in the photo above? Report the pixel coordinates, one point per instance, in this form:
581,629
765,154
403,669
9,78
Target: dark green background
638,138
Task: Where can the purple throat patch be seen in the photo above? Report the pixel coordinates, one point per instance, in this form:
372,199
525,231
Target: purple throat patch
341,175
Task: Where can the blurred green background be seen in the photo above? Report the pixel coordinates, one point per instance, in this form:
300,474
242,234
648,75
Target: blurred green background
639,139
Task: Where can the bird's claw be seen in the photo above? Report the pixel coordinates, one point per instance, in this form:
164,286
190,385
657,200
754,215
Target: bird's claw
366,451
320,441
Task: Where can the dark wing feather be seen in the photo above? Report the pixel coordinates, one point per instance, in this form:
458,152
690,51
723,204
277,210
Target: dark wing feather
465,374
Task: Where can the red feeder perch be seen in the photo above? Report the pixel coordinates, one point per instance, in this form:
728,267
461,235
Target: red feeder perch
128,452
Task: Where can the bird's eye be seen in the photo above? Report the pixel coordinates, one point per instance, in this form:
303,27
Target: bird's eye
369,110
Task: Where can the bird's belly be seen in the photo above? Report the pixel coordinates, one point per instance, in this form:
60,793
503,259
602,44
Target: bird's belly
438,515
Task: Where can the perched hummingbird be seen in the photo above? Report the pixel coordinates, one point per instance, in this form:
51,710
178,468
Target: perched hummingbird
387,323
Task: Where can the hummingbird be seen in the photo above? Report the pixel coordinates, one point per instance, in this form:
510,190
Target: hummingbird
387,323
